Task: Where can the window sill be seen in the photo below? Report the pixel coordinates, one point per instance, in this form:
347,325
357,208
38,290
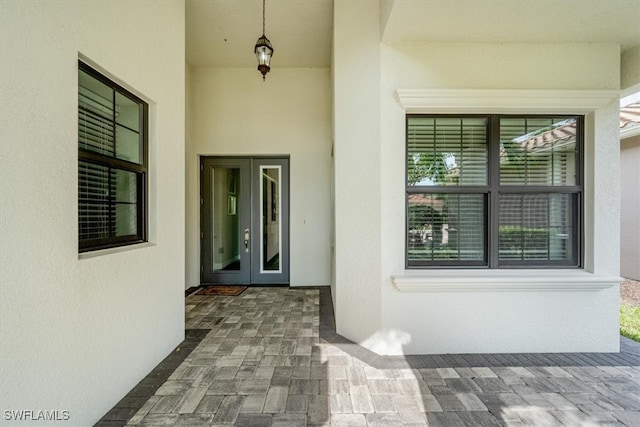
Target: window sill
110,251
503,280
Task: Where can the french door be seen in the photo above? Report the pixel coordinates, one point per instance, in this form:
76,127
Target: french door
244,220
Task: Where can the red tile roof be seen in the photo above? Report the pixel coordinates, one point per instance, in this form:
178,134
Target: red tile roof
427,200
549,137
630,115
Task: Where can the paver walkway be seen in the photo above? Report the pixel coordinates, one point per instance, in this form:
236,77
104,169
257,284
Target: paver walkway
270,357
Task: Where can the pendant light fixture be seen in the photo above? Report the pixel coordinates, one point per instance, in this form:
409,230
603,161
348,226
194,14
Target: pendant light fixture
263,50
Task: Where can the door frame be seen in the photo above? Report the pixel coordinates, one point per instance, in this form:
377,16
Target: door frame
250,212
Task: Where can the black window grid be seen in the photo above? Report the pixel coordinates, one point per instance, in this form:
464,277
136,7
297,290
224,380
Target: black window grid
106,158
492,192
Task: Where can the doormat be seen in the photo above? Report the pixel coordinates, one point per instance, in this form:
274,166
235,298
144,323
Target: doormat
229,291
192,290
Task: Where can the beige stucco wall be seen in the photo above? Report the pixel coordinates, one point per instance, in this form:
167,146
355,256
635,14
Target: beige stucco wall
630,208
463,320
78,334
630,67
502,66
192,180
357,122
235,113
630,174
443,322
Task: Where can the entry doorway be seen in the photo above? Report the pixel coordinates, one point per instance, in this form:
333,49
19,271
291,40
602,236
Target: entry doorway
244,217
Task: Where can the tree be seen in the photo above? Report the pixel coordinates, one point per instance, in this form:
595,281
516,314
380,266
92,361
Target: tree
432,166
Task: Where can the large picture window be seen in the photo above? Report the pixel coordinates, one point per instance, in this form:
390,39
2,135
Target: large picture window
112,163
493,191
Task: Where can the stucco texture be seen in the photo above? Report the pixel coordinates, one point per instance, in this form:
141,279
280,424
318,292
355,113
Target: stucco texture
433,322
630,208
630,67
77,334
369,309
357,170
236,113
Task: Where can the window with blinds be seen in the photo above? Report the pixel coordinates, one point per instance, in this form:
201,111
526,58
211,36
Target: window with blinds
447,188
539,193
493,191
112,163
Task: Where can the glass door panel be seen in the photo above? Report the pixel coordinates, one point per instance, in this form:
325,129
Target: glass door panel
270,219
225,224
225,221
270,247
244,220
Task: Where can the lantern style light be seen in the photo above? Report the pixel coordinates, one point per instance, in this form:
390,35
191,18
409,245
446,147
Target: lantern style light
263,50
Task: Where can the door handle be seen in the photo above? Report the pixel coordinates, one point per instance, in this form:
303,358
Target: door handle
246,239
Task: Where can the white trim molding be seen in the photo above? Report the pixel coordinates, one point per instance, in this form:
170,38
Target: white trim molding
502,280
630,132
116,250
503,101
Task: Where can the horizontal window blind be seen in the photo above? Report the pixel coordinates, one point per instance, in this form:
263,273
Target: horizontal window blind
95,123
536,227
494,190
94,187
446,227
107,202
111,164
446,151
538,151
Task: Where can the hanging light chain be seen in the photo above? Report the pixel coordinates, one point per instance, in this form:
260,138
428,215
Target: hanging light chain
263,13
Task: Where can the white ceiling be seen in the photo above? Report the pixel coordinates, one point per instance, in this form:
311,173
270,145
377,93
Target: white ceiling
514,21
222,33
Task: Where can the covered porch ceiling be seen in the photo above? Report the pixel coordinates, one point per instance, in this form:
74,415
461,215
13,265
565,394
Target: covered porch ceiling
222,33
512,21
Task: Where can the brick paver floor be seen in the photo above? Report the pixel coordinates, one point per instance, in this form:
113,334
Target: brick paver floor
270,357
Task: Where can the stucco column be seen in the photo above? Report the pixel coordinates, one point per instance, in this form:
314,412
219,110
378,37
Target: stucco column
356,91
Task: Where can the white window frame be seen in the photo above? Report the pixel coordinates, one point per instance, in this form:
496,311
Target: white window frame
598,106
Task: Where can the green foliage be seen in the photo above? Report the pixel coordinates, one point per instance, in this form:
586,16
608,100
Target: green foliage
420,215
630,321
445,253
514,152
433,253
428,165
516,238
